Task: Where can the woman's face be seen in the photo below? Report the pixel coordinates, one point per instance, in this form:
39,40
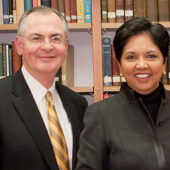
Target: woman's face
142,64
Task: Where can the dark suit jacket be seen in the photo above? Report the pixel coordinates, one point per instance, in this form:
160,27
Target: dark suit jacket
120,135
24,140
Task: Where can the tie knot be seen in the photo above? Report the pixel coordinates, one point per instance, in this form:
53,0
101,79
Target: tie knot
48,96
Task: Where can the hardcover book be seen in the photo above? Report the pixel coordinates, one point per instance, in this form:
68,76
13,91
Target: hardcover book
111,11
14,12
1,61
128,9
61,7
139,8
152,10
54,4
163,10
5,12
104,11
1,12
80,11
19,9
73,11
107,67
34,3
67,9
67,69
46,3
27,5
120,11
87,11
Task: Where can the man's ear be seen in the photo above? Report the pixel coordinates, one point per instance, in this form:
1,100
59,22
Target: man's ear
18,45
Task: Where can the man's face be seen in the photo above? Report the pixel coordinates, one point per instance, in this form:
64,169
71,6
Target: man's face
42,44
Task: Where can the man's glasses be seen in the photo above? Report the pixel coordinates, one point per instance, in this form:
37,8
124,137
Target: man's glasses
55,40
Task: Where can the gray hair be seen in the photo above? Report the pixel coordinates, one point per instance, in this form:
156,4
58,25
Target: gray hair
40,10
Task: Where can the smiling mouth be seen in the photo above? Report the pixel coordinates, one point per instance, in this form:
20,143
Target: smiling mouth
143,75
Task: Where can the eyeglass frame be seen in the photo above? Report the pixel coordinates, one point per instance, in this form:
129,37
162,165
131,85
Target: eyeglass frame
42,38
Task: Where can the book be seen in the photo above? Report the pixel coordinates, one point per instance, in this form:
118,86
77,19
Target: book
61,7
58,76
10,8
128,9
67,69
1,61
139,8
152,10
54,4
39,2
34,3
111,11
1,12
115,68
46,3
67,10
87,11
80,11
16,59
104,11
14,12
19,9
120,11
163,10
73,11
27,5
107,67
4,59
10,60
5,12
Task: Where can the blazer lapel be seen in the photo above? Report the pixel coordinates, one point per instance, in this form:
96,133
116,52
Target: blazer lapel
71,113
31,117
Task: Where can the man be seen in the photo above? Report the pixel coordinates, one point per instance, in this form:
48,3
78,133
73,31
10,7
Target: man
26,142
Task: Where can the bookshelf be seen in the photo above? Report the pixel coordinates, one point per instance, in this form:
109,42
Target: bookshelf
96,28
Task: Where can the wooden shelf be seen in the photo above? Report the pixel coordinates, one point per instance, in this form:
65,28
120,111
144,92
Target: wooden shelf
14,27
82,89
117,25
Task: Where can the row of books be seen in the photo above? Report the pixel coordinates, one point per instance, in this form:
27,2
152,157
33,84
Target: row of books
111,70
123,10
76,11
11,61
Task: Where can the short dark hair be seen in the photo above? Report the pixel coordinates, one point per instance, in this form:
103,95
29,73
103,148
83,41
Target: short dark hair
157,32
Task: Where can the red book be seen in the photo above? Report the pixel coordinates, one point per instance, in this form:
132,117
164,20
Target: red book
16,58
73,11
115,69
54,4
67,9
34,3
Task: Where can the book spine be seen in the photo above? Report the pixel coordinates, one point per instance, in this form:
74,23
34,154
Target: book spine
58,76
5,12
54,4
14,12
10,8
128,9
120,11
67,9
80,11
34,3
46,3
87,11
139,8
61,7
163,10
4,59
27,5
107,68
73,11
104,11
16,59
10,59
111,11
115,69
39,2
152,10
1,13
1,61
19,9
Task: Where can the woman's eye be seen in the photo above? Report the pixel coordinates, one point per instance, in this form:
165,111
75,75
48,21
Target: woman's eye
131,57
151,56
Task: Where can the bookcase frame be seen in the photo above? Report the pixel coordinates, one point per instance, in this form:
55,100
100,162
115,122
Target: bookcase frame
96,27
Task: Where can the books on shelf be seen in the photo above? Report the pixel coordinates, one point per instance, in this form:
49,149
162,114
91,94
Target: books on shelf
111,11
80,11
87,11
67,9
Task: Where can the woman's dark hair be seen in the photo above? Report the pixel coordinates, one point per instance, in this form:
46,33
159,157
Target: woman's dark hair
157,32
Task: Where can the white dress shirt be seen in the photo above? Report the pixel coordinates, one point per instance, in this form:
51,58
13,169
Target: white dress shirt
39,91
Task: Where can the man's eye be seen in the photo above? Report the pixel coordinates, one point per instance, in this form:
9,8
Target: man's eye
37,38
56,38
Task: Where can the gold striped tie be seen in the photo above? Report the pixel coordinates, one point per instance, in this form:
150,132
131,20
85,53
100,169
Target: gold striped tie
56,135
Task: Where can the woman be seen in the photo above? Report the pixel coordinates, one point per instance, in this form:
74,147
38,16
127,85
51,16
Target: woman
131,130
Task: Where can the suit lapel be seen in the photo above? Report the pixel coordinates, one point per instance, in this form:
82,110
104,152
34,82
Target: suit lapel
31,117
71,113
